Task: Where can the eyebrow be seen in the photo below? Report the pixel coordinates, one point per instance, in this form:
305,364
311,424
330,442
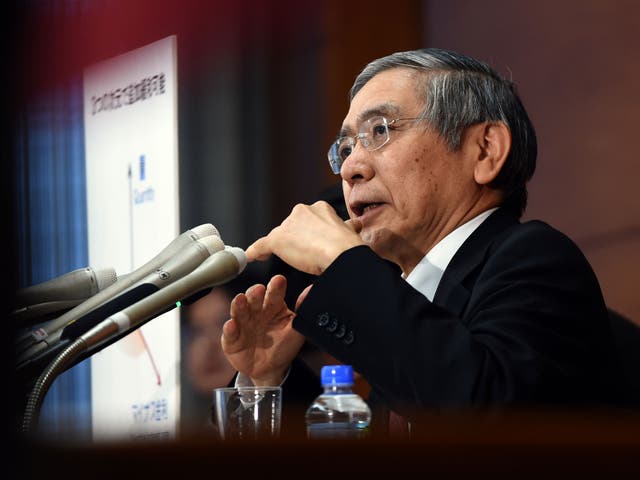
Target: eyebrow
384,109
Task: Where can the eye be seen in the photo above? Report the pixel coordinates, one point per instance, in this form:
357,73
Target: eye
344,151
345,147
379,131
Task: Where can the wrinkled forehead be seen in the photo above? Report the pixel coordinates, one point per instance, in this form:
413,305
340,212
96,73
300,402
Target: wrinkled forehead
390,93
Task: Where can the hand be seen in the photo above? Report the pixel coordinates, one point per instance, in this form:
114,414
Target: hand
258,339
309,239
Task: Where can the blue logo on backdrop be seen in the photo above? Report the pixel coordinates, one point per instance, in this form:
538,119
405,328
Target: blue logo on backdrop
142,172
143,195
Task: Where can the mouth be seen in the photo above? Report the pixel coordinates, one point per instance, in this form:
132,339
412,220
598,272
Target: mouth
362,208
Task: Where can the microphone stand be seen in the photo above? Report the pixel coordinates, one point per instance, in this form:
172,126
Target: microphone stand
42,384
102,335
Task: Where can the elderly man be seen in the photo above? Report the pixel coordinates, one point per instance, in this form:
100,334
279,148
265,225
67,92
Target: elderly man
433,289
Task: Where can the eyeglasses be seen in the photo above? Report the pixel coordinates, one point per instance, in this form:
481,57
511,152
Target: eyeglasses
373,134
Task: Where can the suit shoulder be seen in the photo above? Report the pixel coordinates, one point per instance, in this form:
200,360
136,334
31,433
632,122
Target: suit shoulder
538,240
537,233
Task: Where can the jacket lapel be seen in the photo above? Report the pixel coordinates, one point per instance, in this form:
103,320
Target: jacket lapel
452,294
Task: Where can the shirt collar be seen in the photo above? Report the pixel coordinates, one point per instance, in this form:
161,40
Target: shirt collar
426,276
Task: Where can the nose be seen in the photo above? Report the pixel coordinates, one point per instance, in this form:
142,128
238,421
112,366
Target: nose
358,165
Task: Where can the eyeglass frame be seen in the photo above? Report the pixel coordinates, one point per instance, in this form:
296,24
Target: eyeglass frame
334,155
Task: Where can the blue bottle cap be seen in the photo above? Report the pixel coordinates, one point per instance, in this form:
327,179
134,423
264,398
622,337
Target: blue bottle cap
336,375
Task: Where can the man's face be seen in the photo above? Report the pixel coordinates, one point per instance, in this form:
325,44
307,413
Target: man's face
413,191
207,366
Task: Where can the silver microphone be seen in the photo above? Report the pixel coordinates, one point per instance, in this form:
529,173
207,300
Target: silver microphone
37,340
61,293
218,269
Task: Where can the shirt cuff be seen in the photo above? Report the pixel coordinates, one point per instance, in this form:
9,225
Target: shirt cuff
243,380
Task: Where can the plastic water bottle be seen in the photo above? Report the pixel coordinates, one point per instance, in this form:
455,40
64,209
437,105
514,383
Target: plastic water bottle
338,412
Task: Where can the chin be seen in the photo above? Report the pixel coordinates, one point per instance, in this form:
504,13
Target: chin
375,238
371,236
385,243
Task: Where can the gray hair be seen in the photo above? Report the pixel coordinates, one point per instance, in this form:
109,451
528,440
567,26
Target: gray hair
461,91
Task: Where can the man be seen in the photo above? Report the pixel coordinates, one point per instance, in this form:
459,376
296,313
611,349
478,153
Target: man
205,366
433,290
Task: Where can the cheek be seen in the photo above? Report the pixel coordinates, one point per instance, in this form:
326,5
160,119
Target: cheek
422,179
195,355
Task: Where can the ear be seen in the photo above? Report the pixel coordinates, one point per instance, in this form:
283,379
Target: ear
494,140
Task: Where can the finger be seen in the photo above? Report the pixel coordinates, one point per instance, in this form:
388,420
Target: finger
274,297
230,333
303,295
231,329
239,307
258,250
255,297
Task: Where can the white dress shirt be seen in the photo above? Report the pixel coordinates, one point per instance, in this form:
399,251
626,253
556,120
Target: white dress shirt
426,276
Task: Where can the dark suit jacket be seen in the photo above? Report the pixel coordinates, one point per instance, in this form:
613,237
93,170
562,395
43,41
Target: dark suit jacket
518,319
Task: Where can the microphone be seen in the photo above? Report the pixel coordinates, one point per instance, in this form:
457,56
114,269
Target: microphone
219,268
43,300
175,268
37,337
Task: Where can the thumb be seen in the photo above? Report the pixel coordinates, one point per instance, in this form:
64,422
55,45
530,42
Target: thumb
302,296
